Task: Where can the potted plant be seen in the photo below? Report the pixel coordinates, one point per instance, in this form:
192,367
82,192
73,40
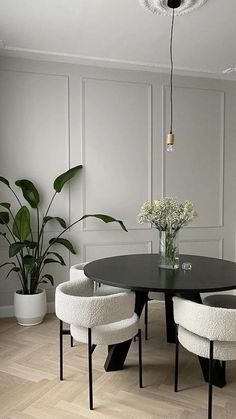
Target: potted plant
29,253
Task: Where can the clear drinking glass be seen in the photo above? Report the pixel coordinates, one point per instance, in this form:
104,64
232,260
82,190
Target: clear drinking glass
186,266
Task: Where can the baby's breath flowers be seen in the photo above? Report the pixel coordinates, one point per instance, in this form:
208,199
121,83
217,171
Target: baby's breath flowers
167,214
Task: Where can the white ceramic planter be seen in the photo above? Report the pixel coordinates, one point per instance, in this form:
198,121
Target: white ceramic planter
30,309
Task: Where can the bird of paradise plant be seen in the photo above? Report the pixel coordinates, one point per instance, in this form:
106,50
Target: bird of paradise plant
28,253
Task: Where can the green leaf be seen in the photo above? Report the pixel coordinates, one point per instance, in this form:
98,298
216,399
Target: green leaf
62,262
21,225
29,262
58,219
64,242
106,219
60,181
15,248
4,217
16,269
7,263
30,244
39,259
49,277
29,191
4,180
5,205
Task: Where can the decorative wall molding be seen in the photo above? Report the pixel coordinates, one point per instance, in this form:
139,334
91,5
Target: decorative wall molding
163,143
76,77
148,243
66,96
219,241
59,57
149,143
222,140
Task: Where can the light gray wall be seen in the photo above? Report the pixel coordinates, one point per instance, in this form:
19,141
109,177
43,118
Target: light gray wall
54,116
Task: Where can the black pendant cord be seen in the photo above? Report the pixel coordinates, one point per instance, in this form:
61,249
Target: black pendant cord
171,69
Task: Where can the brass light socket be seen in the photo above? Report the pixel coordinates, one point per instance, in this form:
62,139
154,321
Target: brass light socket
170,138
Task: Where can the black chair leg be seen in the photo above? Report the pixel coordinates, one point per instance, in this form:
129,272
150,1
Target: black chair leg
90,369
224,369
61,350
146,320
71,341
140,359
210,381
176,361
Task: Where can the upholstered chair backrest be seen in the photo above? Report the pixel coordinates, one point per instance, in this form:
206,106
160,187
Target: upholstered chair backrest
77,271
214,323
76,304
65,297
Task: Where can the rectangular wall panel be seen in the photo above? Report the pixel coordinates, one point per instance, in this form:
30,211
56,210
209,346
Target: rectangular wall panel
34,135
210,248
194,170
100,250
34,131
117,150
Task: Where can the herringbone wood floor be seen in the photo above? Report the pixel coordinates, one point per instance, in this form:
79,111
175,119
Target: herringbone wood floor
30,388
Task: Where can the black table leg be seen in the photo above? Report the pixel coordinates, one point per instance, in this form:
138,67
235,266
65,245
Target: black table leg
117,353
170,324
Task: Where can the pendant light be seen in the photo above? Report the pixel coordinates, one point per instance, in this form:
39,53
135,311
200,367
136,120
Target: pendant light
173,4
171,8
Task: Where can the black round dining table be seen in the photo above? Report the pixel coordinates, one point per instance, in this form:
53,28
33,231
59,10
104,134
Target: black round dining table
141,273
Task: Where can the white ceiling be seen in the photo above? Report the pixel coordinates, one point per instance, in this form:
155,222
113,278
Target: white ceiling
120,33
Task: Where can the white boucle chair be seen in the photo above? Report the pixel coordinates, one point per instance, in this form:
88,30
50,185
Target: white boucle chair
77,272
209,332
96,319
220,300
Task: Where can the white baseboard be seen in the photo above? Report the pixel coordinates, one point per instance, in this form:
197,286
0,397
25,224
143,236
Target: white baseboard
51,307
8,311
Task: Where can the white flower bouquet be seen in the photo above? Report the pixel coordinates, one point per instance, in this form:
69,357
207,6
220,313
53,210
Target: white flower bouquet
167,215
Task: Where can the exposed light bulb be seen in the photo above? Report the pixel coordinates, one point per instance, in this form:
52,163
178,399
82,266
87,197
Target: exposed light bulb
170,141
169,147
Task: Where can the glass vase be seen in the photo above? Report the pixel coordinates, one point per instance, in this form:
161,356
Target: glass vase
169,250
